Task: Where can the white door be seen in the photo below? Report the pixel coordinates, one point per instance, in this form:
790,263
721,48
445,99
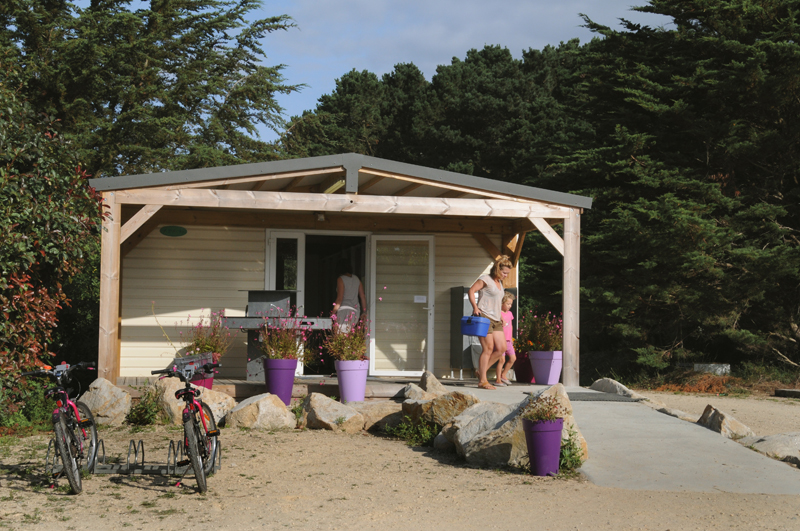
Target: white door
286,266
401,302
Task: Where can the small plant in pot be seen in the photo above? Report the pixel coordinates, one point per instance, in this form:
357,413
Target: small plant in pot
283,341
347,343
543,422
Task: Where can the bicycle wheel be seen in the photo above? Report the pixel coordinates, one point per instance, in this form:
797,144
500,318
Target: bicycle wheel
209,443
87,436
193,449
67,448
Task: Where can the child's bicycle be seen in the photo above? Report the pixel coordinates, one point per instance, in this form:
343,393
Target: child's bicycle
73,425
200,431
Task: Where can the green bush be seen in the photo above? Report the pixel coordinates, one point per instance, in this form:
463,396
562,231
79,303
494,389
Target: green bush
147,410
414,433
570,458
23,404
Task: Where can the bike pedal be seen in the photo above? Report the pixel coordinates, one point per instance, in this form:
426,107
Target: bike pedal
185,462
213,433
85,423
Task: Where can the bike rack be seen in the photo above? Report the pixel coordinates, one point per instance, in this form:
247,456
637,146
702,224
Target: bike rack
138,466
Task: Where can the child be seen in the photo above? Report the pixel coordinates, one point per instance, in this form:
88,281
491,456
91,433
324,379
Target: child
508,330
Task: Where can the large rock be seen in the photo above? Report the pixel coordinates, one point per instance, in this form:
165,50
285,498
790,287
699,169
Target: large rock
265,412
719,421
607,385
784,446
677,413
475,420
440,410
220,403
415,392
108,403
430,384
379,414
440,442
321,412
489,440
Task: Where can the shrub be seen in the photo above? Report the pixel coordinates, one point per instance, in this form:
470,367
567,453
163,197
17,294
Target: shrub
414,433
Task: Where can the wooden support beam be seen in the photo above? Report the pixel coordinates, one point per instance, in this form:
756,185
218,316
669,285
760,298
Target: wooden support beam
140,234
408,189
307,221
138,219
512,246
252,178
330,184
369,184
438,184
570,375
548,232
294,184
108,345
346,203
490,248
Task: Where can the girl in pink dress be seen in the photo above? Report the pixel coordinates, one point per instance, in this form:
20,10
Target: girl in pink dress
508,330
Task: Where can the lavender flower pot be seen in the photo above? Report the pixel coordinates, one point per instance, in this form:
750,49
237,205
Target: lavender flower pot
352,376
543,438
279,377
546,366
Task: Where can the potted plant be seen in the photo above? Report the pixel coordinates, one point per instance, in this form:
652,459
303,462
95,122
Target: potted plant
540,340
543,422
282,340
204,342
347,344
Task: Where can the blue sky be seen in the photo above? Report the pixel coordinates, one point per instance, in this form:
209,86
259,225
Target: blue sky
334,37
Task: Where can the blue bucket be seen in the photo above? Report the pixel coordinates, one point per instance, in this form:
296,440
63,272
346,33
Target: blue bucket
474,326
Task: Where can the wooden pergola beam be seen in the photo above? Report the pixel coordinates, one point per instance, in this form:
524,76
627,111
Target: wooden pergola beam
349,203
490,248
138,219
570,375
110,262
547,231
253,178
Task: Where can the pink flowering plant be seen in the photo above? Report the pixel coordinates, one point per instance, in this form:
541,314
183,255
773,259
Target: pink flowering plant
284,337
539,331
209,335
347,341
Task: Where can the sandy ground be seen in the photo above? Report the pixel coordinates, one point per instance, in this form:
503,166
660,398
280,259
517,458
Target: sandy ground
323,480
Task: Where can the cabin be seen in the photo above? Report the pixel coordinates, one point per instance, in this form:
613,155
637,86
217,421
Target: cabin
179,245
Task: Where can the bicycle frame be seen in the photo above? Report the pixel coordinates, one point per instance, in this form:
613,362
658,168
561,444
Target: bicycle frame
65,406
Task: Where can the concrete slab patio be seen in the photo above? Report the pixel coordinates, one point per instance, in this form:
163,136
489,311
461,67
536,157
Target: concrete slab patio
632,446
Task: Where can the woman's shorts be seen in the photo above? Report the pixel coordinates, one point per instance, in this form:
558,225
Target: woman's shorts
494,326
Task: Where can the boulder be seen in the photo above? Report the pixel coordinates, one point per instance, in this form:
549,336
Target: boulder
724,424
440,410
415,392
264,412
499,447
783,446
220,403
677,413
430,384
108,403
442,443
379,414
475,420
607,385
321,412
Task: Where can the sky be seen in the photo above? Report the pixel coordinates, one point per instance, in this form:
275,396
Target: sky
334,37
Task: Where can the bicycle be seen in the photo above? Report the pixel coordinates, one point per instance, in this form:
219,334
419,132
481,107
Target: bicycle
200,433
73,424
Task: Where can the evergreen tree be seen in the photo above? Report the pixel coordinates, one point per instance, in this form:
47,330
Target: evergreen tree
176,85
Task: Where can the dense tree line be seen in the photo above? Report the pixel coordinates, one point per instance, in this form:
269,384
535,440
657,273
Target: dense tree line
686,137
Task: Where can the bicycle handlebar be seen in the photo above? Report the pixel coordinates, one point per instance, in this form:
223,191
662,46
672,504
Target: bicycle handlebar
173,372
55,374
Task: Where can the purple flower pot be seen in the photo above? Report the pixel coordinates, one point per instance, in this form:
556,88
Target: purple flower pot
522,369
352,376
546,366
279,377
543,438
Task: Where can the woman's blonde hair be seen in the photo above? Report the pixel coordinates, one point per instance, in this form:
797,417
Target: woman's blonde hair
508,296
503,261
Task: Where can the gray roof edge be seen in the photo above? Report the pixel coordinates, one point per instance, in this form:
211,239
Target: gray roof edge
145,180
482,183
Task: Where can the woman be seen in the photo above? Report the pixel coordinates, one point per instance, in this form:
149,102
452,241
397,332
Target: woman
490,299
349,291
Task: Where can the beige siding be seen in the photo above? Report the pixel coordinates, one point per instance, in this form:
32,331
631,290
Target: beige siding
180,279
460,260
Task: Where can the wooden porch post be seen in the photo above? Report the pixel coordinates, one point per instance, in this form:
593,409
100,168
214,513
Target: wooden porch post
571,298
108,346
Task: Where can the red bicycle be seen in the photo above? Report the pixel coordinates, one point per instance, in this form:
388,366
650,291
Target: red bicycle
200,433
73,424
